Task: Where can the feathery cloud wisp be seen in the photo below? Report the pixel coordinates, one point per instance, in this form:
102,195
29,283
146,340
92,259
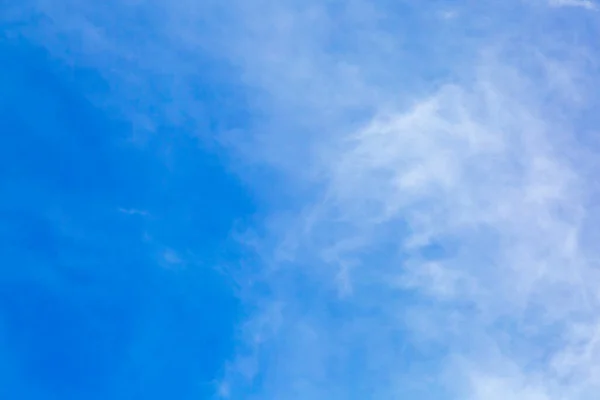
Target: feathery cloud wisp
587,4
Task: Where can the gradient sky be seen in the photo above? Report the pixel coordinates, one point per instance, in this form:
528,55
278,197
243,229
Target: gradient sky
299,200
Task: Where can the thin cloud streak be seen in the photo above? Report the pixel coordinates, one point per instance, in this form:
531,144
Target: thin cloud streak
587,4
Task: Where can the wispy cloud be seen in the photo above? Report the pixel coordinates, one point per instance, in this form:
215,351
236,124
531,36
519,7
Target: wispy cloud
450,236
480,175
134,211
587,4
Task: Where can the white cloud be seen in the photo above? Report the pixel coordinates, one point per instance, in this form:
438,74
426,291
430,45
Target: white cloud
134,211
465,219
587,4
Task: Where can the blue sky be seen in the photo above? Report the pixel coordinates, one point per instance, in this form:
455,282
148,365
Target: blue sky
299,200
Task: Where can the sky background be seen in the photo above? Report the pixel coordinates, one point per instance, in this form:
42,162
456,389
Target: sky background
299,200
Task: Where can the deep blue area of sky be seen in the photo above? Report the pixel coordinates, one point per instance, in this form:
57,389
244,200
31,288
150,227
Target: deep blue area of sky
89,307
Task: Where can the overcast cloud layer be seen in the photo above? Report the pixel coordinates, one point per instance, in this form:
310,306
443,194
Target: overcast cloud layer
427,173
